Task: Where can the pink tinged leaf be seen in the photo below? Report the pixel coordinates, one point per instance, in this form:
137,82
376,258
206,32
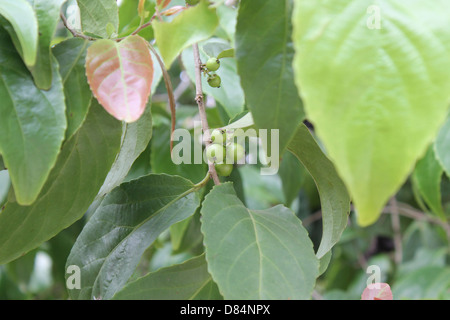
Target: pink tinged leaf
377,291
120,75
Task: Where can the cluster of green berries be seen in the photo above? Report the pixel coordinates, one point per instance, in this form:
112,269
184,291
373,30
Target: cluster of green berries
213,64
223,153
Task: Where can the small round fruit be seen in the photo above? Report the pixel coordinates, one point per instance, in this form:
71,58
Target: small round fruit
212,64
224,169
218,136
235,152
192,2
214,81
215,153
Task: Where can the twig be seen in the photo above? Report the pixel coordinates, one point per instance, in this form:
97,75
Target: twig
169,88
73,31
143,26
201,109
395,220
410,212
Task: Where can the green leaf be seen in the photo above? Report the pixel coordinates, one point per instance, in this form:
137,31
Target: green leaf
5,185
32,124
120,76
129,19
71,55
214,49
230,94
376,96
187,281
95,15
229,53
135,139
111,244
429,282
160,156
334,199
442,147
227,20
264,53
73,183
190,26
47,12
292,175
427,177
24,28
256,254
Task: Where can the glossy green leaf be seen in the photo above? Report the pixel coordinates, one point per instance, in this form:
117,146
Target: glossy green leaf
126,223
120,76
442,147
376,94
334,199
187,281
427,177
264,53
95,15
73,183
190,26
230,94
256,254
47,12
135,139
71,55
32,123
24,27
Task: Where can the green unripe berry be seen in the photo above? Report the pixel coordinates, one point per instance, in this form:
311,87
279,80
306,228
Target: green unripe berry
215,153
218,136
192,2
235,152
212,64
224,169
214,81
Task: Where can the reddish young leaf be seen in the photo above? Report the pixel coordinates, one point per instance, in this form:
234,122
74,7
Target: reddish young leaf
377,291
120,76
162,3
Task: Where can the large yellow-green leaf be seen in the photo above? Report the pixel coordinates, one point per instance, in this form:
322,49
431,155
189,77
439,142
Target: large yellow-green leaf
377,93
190,26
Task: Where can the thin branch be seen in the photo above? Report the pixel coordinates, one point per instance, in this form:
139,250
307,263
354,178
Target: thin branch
412,213
138,29
395,220
169,88
201,109
73,31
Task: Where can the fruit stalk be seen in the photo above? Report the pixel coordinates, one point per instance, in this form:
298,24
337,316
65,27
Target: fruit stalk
202,111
